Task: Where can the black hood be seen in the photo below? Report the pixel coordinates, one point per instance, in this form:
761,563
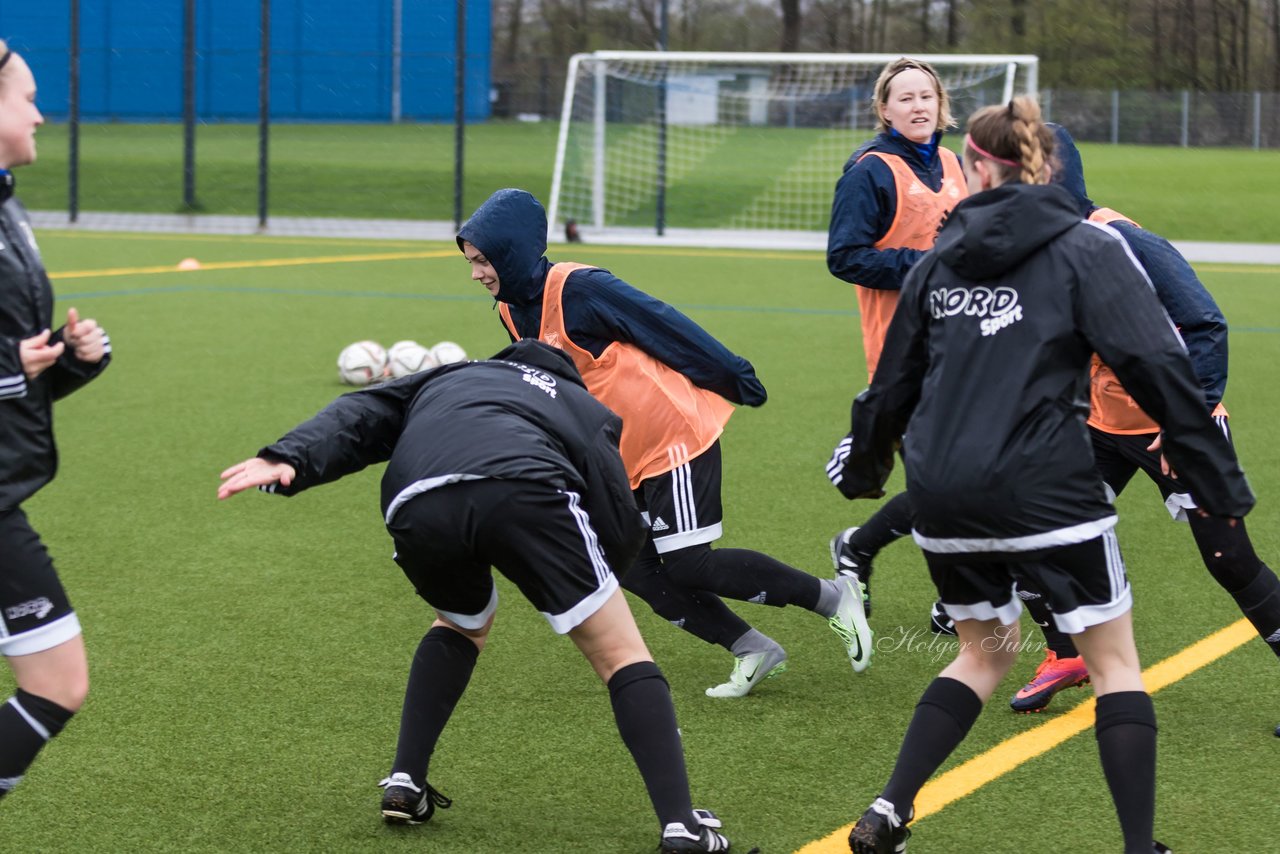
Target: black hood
510,228
1070,169
994,231
532,352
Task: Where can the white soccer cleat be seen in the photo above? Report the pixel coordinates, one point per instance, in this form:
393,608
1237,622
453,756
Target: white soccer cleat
750,670
850,621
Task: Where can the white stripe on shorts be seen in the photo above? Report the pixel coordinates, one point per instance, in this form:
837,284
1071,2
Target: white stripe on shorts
589,538
682,489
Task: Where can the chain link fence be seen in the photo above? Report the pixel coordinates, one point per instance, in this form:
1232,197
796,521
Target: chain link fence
1185,118
1227,119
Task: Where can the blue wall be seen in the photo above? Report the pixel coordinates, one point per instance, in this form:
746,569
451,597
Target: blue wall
330,59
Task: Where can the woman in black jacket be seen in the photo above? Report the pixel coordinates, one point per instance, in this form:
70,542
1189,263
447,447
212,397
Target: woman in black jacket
508,463
984,383
39,632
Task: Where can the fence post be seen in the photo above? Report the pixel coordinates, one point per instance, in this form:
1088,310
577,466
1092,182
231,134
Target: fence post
264,110
1046,102
73,118
1186,118
189,106
459,109
397,56
1257,120
1115,116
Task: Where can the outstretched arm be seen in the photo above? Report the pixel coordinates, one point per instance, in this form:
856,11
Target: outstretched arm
255,472
357,430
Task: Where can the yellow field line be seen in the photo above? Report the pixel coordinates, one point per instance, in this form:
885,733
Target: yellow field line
262,239
1009,754
265,262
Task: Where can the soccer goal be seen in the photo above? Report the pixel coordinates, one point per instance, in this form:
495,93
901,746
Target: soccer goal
729,149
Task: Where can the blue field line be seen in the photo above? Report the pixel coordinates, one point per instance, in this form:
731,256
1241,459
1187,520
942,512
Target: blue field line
685,307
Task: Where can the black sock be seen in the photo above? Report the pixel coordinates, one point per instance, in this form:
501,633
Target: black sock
943,717
891,522
698,612
1125,726
1059,642
743,575
1228,554
27,722
647,723
440,672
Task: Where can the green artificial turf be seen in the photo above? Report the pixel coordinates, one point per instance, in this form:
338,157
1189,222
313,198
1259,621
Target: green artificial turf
248,658
407,171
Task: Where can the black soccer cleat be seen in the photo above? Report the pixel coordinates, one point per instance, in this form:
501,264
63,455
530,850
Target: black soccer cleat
678,839
845,559
880,831
403,802
940,622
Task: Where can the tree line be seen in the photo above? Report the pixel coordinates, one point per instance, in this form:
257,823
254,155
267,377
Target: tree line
1200,45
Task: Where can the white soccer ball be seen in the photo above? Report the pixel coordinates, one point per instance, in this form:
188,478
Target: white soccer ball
362,363
409,357
447,352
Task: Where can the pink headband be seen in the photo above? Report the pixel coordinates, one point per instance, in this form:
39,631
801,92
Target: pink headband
968,140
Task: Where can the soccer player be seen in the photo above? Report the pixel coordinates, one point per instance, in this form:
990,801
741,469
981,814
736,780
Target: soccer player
39,632
895,191
674,385
507,463
1122,435
985,364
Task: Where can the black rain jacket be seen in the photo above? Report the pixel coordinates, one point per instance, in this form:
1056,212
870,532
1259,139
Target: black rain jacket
984,380
28,455
523,415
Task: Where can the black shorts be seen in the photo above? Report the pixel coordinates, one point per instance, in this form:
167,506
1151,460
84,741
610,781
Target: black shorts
682,507
1083,584
539,537
1120,456
34,612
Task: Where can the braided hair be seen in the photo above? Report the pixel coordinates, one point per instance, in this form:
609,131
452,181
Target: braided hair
1014,139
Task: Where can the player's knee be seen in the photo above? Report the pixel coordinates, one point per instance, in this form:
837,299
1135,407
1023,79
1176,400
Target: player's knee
75,692
477,636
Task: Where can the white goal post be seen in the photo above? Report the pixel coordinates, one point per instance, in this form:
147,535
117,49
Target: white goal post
730,149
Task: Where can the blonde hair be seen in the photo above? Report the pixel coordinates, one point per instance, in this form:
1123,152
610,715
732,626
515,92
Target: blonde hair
7,55
880,95
1012,137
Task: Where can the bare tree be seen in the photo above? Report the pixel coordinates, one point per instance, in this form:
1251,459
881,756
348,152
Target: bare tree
1018,23
1275,45
790,26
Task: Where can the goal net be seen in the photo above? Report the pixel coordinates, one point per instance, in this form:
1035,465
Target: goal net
722,149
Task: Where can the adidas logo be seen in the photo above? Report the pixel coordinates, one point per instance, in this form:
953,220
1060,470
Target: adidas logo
679,624
1274,637
916,189
758,598
659,525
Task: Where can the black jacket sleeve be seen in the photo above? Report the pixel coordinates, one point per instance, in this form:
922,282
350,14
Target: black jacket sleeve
357,430
1123,321
70,374
1190,306
881,413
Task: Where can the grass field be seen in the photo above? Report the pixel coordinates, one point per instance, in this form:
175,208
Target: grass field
248,658
406,171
